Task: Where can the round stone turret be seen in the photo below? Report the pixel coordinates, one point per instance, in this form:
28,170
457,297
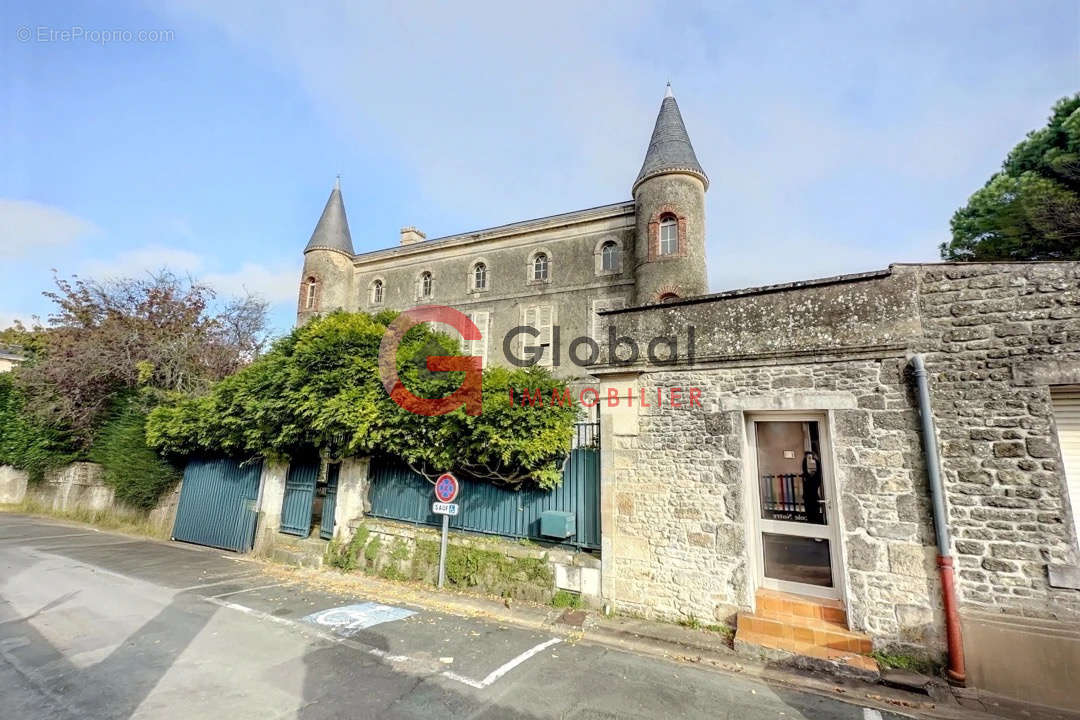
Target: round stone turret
326,281
670,197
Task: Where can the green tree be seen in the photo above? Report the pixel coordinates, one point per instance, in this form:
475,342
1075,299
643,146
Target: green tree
319,389
1030,210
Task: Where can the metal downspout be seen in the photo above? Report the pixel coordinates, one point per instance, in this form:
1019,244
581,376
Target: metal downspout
956,671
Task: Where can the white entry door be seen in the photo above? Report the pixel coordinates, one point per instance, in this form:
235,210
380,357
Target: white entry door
793,519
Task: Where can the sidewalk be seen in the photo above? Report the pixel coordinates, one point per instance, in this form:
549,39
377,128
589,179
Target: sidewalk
702,648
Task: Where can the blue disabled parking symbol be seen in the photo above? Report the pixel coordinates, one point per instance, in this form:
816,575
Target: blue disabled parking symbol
351,619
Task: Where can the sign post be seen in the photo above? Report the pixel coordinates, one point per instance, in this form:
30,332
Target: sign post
446,490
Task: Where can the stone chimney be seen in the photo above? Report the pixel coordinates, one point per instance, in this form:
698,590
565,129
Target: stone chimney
410,235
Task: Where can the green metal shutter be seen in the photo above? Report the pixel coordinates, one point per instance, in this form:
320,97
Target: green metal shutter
299,495
217,504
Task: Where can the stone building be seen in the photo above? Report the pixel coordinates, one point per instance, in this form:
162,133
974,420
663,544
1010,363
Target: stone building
767,467
806,400
547,273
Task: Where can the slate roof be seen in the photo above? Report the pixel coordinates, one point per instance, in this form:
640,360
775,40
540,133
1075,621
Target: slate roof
332,232
670,149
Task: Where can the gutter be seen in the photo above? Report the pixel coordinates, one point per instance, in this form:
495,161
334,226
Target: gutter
956,671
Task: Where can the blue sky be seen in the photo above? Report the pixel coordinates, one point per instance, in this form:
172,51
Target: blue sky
837,138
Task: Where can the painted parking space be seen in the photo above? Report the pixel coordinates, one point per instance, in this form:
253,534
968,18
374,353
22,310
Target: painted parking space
469,651
180,636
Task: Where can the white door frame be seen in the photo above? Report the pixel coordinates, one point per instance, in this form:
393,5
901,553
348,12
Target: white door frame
757,525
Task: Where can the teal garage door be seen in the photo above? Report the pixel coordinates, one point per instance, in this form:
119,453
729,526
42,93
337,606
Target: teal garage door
217,504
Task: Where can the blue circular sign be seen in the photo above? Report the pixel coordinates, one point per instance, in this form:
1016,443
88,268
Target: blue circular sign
446,488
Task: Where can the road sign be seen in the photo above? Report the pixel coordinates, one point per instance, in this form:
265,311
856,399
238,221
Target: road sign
446,488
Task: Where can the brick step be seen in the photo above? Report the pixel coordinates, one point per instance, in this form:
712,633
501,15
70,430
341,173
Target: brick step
799,634
792,608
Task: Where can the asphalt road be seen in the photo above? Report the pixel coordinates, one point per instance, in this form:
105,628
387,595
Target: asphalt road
98,625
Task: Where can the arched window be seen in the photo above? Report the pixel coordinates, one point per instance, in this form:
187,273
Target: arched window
377,292
668,297
425,285
479,276
541,267
311,293
669,235
609,256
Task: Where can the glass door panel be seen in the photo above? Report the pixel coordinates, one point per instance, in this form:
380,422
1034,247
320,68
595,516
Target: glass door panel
793,525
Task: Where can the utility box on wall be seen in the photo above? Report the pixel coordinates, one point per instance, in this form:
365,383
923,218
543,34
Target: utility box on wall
557,524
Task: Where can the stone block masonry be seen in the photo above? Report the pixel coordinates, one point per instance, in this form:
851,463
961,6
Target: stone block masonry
997,337
510,568
680,545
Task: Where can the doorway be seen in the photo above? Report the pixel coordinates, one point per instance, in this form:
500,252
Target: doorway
793,521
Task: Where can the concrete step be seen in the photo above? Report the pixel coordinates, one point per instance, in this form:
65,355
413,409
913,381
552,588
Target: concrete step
301,557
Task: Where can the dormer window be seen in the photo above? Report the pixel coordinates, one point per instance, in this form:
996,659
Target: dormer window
425,285
669,235
541,268
311,293
480,278
377,292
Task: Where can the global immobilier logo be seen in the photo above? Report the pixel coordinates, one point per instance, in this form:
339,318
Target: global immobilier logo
469,393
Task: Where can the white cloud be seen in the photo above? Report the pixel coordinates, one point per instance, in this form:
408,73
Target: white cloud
141,261
275,283
28,227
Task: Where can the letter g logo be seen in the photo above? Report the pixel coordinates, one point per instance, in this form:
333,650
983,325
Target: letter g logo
468,394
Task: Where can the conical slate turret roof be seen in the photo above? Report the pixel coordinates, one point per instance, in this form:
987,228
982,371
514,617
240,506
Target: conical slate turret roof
332,232
670,150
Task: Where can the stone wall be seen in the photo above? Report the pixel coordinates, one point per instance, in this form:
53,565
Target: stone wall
271,496
565,570
80,485
12,485
677,529
998,336
163,515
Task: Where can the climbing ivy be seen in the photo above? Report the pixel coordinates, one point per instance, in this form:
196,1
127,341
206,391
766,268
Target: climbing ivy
319,389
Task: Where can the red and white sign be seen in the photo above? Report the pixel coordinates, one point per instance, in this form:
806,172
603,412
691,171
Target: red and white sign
446,488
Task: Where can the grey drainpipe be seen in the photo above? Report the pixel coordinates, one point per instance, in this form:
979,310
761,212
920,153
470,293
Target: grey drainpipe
956,671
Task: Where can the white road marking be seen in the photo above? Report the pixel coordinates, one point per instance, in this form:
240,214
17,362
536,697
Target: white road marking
237,592
507,667
871,714
491,678
226,581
